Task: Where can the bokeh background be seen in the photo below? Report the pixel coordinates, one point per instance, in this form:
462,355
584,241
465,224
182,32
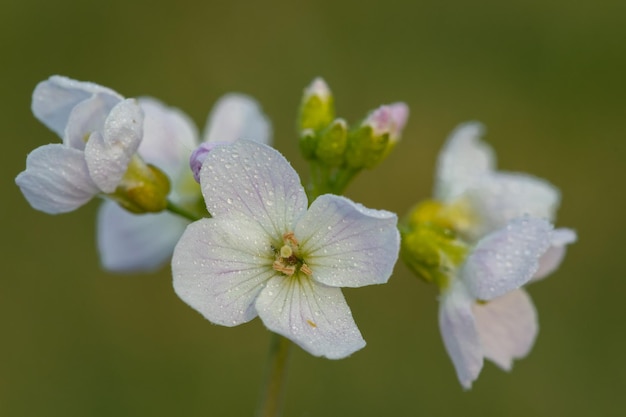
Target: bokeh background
546,77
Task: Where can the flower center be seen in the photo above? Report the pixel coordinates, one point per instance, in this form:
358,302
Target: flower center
287,259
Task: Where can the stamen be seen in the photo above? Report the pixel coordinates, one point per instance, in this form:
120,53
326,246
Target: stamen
305,268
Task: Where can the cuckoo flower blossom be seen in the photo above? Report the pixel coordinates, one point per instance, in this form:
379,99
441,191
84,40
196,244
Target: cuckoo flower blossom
504,220
100,131
129,242
263,253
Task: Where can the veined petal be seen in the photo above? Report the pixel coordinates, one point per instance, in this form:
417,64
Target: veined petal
551,260
347,244
219,267
87,117
237,116
314,316
56,179
129,242
255,182
54,99
501,197
463,160
169,137
109,153
506,259
507,327
459,333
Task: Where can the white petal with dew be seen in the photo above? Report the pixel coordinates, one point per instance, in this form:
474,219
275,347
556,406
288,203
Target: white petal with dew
459,333
314,316
507,258
220,265
54,99
507,327
462,161
109,153
130,242
501,197
86,117
169,137
56,179
254,181
551,260
346,244
237,116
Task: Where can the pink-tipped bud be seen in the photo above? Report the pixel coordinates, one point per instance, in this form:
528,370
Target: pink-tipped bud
199,155
390,118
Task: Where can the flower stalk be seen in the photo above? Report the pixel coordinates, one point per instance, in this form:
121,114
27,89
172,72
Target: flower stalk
272,398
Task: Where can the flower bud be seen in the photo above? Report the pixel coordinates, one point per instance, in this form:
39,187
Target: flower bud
377,135
199,155
332,144
317,109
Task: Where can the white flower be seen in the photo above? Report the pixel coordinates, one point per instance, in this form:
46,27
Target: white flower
129,242
263,253
506,218
101,132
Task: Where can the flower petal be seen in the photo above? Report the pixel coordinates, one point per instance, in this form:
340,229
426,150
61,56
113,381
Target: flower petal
128,242
507,258
109,153
56,179
463,160
507,327
501,197
346,244
314,316
459,333
87,117
54,99
220,265
254,181
237,116
169,137
551,260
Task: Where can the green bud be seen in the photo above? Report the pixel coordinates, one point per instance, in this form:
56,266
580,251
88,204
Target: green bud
317,110
332,144
143,189
365,149
308,143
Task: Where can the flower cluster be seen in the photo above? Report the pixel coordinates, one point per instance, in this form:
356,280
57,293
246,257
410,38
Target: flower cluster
246,239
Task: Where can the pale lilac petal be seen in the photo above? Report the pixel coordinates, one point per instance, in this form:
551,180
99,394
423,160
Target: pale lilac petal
346,244
459,333
463,161
56,179
501,197
551,260
54,99
109,153
169,137
507,258
314,316
507,327
130,242
237,116
256,182
220,265
86,117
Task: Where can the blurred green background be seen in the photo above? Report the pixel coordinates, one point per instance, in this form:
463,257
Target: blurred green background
546,77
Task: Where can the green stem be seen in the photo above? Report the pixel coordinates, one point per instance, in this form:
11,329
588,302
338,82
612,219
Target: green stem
173,208
273,394
343,178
